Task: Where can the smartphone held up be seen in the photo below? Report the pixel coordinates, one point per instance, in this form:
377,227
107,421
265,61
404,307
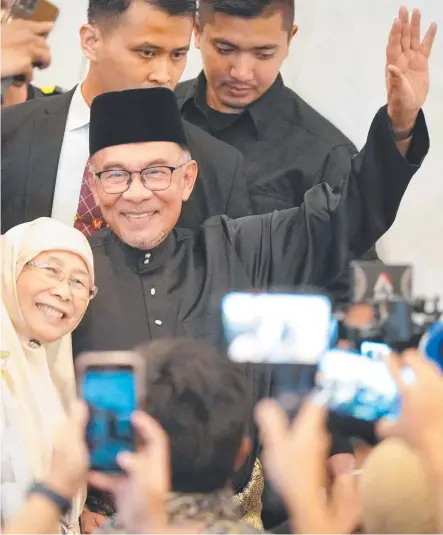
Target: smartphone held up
34,10
297,335
113,386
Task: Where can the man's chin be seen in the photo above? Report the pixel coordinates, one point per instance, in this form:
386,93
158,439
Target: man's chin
143,240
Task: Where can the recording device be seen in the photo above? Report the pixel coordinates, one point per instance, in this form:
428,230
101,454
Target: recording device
359,386
399,320
276,328
34,10
113,385
288,331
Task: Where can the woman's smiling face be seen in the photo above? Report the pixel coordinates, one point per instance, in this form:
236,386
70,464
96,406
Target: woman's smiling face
53,294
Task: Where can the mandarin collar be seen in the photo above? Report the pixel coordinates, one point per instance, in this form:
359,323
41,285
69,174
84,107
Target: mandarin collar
141,261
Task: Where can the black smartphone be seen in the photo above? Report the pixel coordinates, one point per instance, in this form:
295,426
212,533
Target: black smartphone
111,388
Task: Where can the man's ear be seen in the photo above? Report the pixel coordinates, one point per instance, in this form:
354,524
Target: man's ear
93,184
243,453
189,177
90,38
197,32
293,32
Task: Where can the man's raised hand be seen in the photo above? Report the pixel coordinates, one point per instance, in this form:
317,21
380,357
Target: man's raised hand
407,69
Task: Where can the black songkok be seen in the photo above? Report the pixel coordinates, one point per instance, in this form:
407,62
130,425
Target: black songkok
135,116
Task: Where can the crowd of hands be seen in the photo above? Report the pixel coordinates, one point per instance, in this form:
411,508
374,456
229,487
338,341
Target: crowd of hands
294,456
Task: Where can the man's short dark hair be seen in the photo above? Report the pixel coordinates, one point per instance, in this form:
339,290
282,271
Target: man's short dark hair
247,9
111,10
200,398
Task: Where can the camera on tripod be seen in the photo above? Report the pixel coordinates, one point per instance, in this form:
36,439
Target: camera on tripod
397,318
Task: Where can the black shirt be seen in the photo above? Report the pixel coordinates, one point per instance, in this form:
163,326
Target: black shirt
288,147
175,289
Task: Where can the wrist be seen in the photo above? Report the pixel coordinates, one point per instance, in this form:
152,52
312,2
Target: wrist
50,495
402,125
60,486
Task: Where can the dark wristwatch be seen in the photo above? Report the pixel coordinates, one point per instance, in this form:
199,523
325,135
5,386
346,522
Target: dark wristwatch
60,501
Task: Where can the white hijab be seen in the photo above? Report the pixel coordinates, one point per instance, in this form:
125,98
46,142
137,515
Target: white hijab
41,379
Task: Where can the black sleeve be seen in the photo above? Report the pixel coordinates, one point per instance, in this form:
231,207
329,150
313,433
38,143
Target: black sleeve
313,244
238,204
336,165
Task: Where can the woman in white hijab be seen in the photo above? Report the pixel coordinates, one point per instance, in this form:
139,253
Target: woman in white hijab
47,282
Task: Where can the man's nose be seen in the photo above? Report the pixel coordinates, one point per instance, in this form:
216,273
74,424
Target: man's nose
243,68
160,74
137,191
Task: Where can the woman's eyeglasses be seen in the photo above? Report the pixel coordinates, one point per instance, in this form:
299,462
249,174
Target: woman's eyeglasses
77,285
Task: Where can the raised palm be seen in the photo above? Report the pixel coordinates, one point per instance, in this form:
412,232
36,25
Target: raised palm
407,70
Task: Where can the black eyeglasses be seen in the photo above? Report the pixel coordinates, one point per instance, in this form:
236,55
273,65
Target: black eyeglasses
155,178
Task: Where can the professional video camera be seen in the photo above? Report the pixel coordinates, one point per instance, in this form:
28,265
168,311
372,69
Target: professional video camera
398,319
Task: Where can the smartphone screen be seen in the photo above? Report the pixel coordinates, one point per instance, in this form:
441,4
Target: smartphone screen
276,328
110,392
359,386
375,350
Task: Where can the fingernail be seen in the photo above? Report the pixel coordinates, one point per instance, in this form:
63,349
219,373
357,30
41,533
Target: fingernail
123,457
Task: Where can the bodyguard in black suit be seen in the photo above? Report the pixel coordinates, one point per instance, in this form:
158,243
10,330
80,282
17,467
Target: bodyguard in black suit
125,51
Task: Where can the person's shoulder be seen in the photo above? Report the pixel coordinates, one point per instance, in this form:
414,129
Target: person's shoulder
99,239
14,115
314,123
183,88
205,144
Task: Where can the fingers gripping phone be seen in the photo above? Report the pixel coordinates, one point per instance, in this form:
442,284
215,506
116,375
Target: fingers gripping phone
113,385
35,10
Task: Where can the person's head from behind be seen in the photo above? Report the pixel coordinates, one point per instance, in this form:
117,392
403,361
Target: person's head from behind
243,44
137,43
200,399
47,278
142,171
395,492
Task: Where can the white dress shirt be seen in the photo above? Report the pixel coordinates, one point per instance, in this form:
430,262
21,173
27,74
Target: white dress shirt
73,157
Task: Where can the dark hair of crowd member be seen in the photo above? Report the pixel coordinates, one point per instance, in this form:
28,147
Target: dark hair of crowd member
111,10
247,9
200,398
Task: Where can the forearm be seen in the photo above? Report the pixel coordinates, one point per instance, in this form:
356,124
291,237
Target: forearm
307,515
378,180
433,461
39,515
403,146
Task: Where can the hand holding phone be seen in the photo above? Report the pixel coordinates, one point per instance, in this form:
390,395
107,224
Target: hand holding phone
113,385
23,46
360,386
